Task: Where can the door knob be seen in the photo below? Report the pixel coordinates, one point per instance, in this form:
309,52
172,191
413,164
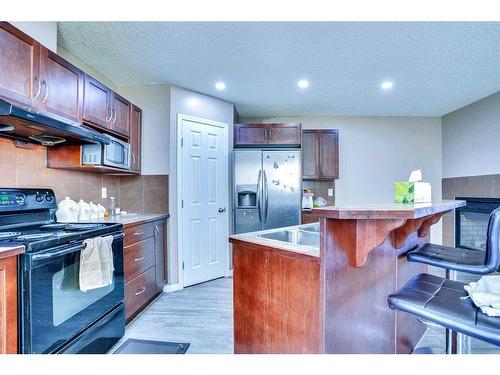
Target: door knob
222,209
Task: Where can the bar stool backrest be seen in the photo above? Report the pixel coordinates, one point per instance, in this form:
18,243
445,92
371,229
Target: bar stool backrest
492,259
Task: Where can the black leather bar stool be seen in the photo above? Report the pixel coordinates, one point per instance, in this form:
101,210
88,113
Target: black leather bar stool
463,260
445,303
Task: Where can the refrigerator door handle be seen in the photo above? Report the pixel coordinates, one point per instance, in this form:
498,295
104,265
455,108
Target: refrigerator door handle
266,195
259,205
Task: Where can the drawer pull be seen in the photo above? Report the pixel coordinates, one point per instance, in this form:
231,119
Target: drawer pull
138,259
138,233
140,291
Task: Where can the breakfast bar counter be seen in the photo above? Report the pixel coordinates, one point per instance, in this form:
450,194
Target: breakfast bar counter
286,301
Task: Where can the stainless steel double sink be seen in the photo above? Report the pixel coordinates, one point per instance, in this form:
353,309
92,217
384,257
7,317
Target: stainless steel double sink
307,235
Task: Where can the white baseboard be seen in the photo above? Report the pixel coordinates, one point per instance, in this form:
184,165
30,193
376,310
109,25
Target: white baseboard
169,288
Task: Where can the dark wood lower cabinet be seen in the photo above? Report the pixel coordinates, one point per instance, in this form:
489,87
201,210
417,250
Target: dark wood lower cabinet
139,291
8,301
145,263
308,218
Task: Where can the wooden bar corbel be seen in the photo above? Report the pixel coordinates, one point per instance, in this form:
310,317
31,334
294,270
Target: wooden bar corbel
430,221
399,235
358,237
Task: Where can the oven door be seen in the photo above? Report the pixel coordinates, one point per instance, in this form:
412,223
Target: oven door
53,309
117,154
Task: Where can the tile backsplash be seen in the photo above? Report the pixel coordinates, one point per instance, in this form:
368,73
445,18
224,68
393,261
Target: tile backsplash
320,189
26,168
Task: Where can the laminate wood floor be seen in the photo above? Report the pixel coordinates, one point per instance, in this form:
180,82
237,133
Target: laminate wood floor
201,315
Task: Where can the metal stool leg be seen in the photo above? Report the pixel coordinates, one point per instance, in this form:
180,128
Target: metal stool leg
451,336
451,342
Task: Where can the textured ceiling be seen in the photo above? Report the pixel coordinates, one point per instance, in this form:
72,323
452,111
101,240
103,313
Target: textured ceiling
436,67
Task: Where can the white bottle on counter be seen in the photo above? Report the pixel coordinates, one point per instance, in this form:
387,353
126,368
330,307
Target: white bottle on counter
84,210
67,211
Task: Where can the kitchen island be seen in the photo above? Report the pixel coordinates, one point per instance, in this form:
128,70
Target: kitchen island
295,294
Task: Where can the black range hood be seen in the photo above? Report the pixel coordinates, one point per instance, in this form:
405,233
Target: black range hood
28,126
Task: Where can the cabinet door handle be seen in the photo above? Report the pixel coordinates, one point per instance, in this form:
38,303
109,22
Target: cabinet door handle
39,91
133,158
114,116
110,115
138,233
140,291
44,83
157,231
139,259
270,136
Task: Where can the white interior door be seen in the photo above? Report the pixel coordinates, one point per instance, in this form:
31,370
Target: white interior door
204,195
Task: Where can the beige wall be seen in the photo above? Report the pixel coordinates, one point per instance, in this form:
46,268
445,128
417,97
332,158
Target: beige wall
154,100
375,152
471,139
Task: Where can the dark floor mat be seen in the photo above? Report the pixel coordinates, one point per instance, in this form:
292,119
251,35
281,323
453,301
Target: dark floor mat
135,346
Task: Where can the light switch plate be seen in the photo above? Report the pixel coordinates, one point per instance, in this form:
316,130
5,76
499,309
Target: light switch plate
104,192
330,192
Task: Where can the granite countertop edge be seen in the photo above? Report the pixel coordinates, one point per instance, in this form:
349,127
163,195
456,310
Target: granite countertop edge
129,220
10,251
387,211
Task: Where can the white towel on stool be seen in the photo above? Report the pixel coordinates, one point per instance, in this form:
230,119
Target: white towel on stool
486,294
96,263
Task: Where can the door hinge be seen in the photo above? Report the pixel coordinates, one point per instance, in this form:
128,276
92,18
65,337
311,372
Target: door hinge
182,142
182,265
182,203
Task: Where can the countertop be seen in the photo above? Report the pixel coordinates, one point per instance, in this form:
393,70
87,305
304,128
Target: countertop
129,219
9,251
386,211
252,237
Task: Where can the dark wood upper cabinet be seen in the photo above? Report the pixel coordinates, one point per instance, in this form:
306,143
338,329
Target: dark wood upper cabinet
135,138
329,154
255,135
19,67
97,103
120,121
310,154
61,87
320,154
250,134
284,134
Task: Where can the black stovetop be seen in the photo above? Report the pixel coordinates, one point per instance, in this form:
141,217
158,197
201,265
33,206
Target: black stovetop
27,217
44,236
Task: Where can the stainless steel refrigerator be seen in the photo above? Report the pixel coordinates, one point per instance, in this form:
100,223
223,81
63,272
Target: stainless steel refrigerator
267,189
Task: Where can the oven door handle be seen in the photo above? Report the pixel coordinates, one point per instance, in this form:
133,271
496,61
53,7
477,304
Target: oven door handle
68,250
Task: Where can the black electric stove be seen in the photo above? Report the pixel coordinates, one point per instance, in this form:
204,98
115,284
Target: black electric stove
55,315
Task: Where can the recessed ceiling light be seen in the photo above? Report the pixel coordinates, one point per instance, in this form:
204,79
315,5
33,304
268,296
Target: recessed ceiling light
387,85
220,85
303,83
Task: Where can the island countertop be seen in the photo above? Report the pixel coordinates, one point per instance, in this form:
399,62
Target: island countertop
290,247
386,210
334,300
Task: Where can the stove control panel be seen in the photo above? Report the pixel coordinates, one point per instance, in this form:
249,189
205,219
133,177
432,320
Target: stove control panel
26,199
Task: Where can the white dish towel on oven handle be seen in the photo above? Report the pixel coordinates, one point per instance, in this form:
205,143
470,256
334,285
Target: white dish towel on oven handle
485,293
96,263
